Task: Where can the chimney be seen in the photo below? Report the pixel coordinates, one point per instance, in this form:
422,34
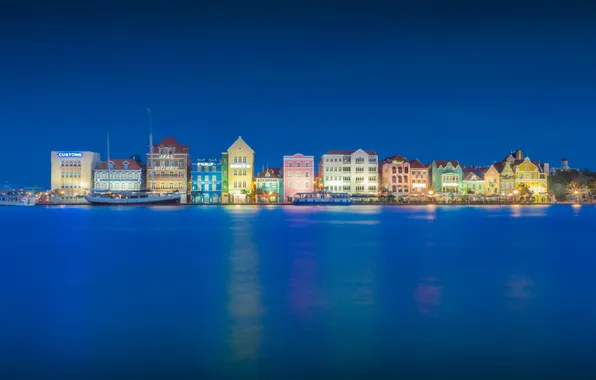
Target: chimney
519,155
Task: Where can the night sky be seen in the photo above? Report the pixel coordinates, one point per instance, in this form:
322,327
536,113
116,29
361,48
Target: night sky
441,80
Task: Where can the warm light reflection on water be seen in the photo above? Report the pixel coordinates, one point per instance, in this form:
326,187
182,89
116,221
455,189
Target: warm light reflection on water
244,291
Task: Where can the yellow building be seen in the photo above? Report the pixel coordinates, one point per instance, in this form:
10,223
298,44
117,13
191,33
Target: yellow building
72,172
492,181
535,177
240,173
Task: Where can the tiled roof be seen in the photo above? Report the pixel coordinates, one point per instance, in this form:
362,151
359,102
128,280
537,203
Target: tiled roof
349,152
469,176
119,164
499,166
172,142
416,164
397,157
273,173
444,163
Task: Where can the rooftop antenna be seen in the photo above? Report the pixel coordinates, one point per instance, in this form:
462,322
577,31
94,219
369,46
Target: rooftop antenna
151,149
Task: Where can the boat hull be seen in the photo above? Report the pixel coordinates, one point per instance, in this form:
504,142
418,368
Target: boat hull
24,201
146,201
309,202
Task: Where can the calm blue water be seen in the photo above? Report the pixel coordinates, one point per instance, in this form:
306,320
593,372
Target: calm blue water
290,292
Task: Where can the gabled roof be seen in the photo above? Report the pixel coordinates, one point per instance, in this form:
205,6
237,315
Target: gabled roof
173,143
499,166
273,173
239,139
350,152
443,163
416,164
119,164
397,157
471,176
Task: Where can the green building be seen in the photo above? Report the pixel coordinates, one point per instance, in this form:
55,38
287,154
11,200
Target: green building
269,186
447,177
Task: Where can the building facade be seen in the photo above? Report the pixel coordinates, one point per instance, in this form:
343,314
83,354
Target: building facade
118,175
395,175
72,172
420,177
492,181
168,168
351,171
534,176
298,176
269,186
240,172
447,177
207,181
473,182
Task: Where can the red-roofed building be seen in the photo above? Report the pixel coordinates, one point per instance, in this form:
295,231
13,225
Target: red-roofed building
351,171
269,185
168,168
395,175
118,175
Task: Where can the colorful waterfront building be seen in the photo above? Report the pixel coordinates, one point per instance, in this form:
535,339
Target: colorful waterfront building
447,176
419,178
72,172
239,172
492,180
270,185
351,171
473,181
298,175
395,175
519,171
206,181
118,175
168,168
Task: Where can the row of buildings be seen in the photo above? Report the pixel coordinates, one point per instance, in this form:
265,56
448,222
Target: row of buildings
231,178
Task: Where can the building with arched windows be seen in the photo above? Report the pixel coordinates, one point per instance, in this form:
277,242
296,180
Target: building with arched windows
118,175
396,175
168,168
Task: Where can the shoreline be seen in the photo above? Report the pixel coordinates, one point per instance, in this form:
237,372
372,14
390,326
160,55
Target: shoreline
353,204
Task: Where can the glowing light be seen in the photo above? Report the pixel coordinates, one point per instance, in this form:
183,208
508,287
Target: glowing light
515,192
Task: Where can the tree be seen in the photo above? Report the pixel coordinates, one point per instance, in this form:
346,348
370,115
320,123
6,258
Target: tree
524,190
469,191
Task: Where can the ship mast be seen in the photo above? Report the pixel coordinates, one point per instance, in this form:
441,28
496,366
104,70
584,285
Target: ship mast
152,188
109,177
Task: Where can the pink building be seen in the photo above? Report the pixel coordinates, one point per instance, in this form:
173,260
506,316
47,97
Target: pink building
299,175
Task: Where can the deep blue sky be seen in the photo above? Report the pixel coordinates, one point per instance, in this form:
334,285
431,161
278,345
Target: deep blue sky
443,80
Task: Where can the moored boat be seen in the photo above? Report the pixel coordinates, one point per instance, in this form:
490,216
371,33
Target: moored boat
322,198
133,198
16,199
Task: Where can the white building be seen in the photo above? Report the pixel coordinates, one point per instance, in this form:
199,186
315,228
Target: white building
72,172
351,171
123,175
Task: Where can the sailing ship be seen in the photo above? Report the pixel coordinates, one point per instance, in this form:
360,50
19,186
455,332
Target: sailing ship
143,197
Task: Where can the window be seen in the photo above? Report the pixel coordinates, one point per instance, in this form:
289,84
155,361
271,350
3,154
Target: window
305,174
406,170
181,186
171,164
372,179
235,172
290,164
111,165
393,170
306,185
244,160
372,169
297,164
290,183
306,164
235,184
290,174
244,184
180,164
372,188
235,160
213,178
359,160
406,178
298,173
394,188
393,179
359,170
243,171
400,170
171,185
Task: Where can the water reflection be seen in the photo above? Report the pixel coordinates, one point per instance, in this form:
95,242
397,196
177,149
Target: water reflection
518,211
303,285
244,290
520,289
428,212
428,296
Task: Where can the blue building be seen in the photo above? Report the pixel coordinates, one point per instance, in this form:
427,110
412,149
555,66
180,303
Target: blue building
206,181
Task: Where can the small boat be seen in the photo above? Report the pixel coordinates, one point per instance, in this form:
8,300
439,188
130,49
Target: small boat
16,199
139,198
322,198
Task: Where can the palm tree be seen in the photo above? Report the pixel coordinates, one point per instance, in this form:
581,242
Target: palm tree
246,192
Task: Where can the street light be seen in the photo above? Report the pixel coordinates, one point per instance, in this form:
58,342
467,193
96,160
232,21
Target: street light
515,192
431,192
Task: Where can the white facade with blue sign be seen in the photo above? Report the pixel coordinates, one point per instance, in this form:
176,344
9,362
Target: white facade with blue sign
72,172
